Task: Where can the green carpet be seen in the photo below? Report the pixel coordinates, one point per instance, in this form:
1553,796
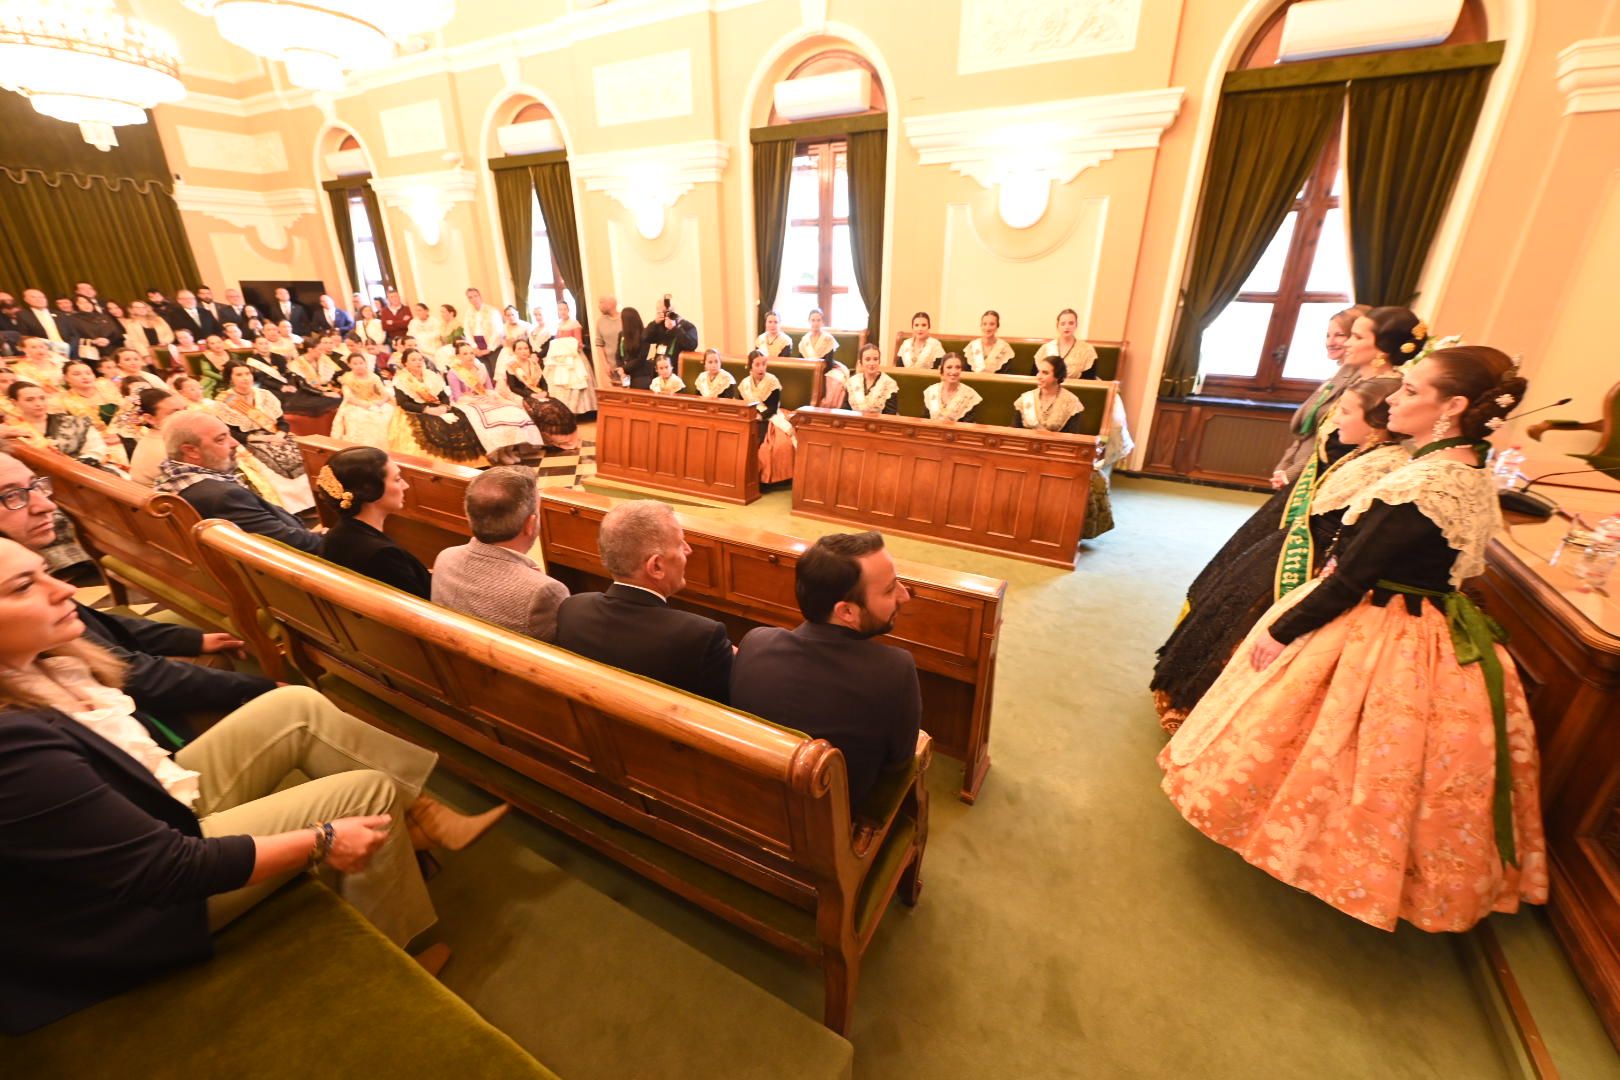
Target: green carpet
1071,923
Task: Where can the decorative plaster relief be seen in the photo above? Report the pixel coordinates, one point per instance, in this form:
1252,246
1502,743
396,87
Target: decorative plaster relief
656,87
1028,291
649,180
998,34
1589,75
268,213
413,129
230,151
427,197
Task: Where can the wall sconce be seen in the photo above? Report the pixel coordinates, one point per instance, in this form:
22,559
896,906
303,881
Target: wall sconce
1022,198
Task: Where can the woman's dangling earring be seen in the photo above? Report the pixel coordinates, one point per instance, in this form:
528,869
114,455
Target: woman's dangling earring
1441,426
1380,360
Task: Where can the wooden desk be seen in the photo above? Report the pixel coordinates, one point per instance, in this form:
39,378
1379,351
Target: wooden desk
707,447
1001,490
1566,643
744,578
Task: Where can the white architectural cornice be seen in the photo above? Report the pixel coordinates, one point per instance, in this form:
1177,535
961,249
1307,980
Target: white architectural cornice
1024,148
426,197
649,180
1589,75
268,213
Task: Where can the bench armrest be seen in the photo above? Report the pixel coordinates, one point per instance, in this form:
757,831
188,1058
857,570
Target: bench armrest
876,814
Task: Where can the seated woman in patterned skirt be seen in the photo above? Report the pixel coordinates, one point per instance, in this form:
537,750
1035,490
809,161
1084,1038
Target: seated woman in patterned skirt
425,422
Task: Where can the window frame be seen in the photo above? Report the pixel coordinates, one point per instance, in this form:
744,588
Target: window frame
825,153
540,234
1311,206
355,199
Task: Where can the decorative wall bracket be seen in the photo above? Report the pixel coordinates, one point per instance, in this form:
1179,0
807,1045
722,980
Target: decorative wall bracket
268,213
427,197
1021,150
1589,75
649,180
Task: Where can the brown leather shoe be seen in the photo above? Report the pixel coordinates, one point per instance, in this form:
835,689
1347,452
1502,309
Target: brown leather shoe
434,823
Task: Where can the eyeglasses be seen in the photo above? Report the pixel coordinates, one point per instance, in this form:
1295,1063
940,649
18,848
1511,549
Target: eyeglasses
18,497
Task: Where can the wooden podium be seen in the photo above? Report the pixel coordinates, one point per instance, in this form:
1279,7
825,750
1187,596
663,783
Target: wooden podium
701,446
1003,490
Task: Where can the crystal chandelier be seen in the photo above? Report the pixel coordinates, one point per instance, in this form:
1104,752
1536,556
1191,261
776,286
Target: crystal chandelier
321,41
82,62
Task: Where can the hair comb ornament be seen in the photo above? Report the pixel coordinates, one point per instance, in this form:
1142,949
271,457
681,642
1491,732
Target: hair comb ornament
1432,345
1518,360
328,483
1506,401
1421,330
1495,423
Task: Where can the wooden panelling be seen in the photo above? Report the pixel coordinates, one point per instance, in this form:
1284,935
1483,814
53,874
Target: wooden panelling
744,577
1008,491
1230,443
694,445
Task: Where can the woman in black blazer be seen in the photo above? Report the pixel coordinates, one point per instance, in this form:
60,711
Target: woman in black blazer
362,486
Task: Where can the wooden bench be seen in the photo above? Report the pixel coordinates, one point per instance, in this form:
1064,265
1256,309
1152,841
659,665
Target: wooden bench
1001,391
800,379
744,577
749,820
139,537
850,343
1110,354
345,1001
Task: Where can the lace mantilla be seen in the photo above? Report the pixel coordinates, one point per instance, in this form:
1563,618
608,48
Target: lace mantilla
1339,488
1458,498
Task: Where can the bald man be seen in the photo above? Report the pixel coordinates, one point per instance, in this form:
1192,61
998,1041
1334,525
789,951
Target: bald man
201,469
605,339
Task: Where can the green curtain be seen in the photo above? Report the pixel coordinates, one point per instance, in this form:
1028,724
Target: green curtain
1405,143
378,236
773,173
1265,145
514,197
341,223
122,235
868,151
554,187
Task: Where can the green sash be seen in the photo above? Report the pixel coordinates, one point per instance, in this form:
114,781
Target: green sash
1298,554
1474,636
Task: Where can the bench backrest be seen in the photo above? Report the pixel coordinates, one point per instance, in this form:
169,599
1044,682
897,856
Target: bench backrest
849,343
434,516
801,379
763,803
1110,354
999,393
141,536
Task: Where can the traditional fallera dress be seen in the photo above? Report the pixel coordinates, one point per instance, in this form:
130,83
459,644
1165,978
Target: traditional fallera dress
496,421
928,355
212,367
1063,414
99,407
1246,577
882,395
367,411
414,430
817,346
315,392
959,408
525,382
777,442
834,384
999,356
568,373
674,384
257,424
773,345
721,384
1385,761
1078,356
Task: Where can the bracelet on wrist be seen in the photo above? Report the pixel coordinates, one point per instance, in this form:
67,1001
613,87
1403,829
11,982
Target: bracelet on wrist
324,835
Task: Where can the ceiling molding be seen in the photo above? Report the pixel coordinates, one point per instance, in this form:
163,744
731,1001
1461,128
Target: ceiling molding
270,214
1589,76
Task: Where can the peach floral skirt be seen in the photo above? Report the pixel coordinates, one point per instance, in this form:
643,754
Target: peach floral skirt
1360,766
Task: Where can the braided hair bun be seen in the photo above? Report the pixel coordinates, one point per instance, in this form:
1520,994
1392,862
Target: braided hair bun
1483,375
1398,333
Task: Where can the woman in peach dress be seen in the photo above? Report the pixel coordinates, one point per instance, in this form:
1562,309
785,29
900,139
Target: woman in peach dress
1370,743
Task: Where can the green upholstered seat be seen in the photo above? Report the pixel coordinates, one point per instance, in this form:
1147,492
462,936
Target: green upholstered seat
798,377
1106,368
302,985
999,393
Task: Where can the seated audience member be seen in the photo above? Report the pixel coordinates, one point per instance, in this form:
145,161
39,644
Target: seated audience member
763,391
817,344
491,577
149,332
666,382
254,416
37,423
714,380
154,409
631,625
1077,356
368,405
362,486
826,677
39,365
38,319
871,391
158,684
201,469
773,342
949,399
132,857
1049,407
987,352
921,349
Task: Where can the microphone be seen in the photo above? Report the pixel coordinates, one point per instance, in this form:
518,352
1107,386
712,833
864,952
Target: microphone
1537,506
1560,403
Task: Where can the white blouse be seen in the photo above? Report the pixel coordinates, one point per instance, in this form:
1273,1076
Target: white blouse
929,356
962,402
1037,414
997,358
757,393
714,387
773,346
816,348
1076,361
671,385
862,399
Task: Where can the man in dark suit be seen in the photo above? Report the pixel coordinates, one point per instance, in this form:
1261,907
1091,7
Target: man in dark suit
284,308
631,625
235,310
201,469
158,683
36,319
826,677
188,315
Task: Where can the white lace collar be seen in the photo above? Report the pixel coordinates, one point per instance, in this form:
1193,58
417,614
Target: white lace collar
1459,498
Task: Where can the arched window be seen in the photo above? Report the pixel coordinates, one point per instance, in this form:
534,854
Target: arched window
357,219
546,285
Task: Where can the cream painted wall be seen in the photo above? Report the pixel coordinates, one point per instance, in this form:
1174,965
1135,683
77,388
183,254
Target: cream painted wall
1112,243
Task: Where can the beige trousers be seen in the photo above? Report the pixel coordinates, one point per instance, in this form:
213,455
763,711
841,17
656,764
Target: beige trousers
354,770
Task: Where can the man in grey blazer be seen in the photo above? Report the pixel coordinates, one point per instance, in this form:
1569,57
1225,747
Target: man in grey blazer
491,577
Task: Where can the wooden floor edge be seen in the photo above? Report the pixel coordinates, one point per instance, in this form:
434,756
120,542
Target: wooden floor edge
1509,1010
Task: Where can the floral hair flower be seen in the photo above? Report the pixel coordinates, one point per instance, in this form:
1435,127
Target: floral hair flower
1495,422
328,483
1409,348
1421,330
1506,401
